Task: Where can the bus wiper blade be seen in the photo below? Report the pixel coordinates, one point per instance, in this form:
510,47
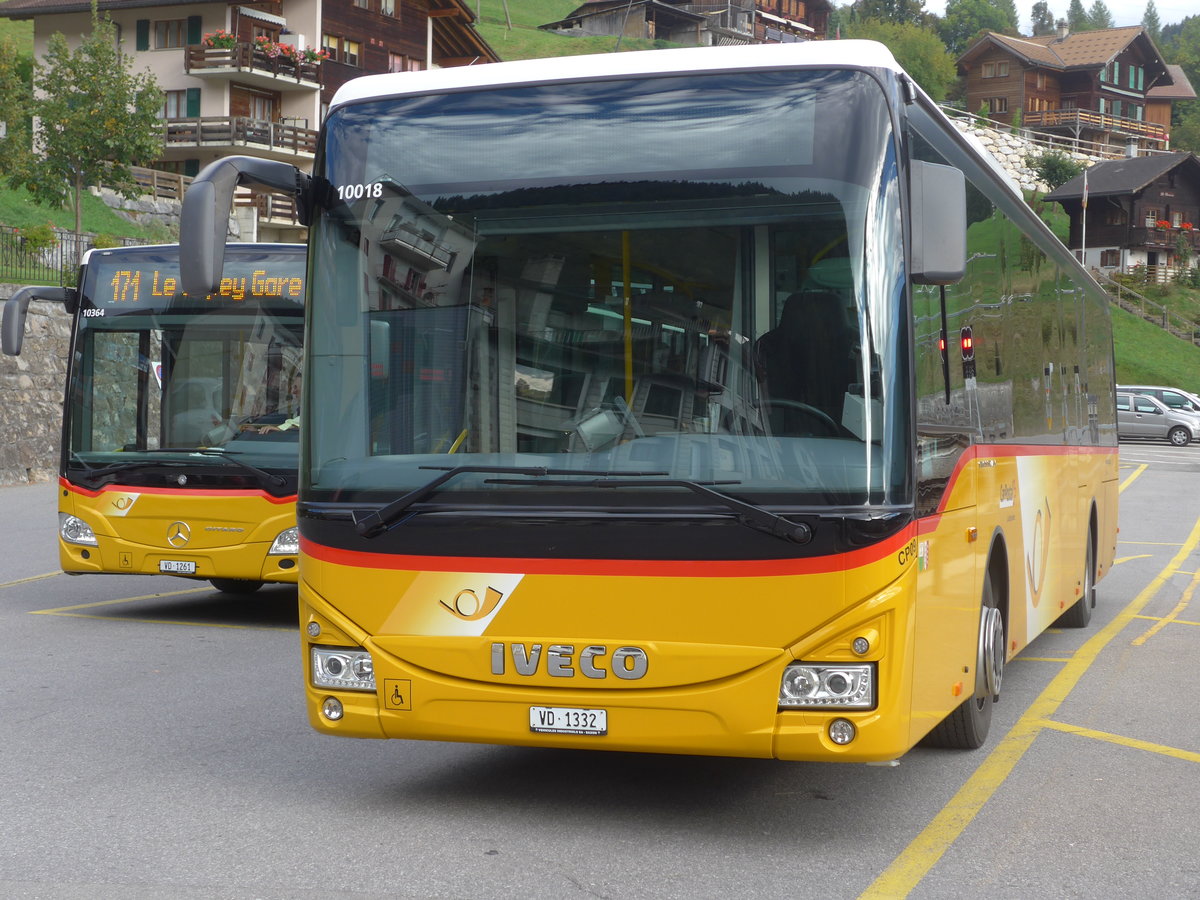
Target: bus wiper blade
374,524
273,478
746,513
113,468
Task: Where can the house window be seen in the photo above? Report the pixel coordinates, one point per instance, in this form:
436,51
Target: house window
398,62
1070,102
1114,215
1152,216
1002,69
170,35
1110,259
997,104
387,7
352,55
174,105
1176,219
1041,81
363,4
262,107
332,44
989,70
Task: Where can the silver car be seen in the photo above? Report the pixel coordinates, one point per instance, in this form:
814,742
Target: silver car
1145,417
1176,398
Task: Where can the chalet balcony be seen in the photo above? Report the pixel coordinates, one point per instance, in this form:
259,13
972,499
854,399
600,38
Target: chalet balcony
1078,121
250,64
1165,238
257,137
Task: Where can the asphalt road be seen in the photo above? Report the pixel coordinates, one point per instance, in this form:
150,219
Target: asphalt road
154,745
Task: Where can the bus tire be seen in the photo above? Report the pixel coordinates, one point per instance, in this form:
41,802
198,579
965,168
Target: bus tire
1080,612
235,585
967,727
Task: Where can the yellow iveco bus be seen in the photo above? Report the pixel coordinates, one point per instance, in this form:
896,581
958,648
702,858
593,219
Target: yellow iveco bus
178,456
711,401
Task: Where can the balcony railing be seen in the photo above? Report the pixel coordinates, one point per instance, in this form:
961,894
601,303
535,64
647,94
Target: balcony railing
277,138
1080,120
247,58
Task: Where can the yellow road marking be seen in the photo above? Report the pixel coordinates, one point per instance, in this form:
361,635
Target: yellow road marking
1121,559
1172,616
72,612
923,853
1160,749
63,610
1132,477
1042,659
29,579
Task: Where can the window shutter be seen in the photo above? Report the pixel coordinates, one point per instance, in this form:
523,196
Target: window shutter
193,102
143,34
193,29
191,167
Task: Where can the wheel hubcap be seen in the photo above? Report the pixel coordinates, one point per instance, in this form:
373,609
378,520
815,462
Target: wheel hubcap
991,652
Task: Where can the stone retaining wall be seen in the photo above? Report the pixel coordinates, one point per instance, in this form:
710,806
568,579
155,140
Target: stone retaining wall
31,388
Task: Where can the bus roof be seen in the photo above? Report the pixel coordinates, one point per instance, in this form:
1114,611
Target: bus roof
818,54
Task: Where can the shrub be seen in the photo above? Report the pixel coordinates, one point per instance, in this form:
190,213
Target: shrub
37,238
1054,168
105,241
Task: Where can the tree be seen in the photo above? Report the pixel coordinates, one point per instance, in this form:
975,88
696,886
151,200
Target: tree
917,49
94,119
1099,16
1077,17
1151,23
16,92
898,12
1041,19
965,20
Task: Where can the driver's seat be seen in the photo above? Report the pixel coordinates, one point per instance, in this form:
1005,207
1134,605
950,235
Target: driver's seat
807,361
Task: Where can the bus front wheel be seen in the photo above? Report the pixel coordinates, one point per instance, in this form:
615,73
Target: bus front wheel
967,727
235,586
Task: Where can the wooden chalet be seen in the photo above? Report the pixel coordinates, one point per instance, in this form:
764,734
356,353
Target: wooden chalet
257,79
1108,87
698,24
1140,211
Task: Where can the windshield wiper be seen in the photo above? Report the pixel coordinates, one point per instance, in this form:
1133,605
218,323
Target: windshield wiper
374,524
113,468
748,514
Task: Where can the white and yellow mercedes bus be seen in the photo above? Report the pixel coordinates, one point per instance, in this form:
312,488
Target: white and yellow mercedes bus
177,452
711,401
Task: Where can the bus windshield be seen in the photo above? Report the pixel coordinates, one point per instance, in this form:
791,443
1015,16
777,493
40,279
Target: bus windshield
695,278
164,387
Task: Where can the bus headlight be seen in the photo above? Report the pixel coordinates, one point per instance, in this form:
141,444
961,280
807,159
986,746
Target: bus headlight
828,686
287,543
343,669
76,531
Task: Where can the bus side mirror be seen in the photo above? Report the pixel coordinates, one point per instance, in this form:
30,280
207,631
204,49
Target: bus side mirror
15,310
206,207
939,223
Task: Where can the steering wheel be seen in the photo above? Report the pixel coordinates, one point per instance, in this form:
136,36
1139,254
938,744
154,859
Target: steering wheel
825,425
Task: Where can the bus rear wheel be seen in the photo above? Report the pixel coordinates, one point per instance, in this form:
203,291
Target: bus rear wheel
1080,612
967,727
235,585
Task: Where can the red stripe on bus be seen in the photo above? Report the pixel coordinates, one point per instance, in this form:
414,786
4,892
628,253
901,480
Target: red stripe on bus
661,568
174,492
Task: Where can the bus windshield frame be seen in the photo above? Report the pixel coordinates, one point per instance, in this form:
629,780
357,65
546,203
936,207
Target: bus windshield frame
530,276
169,390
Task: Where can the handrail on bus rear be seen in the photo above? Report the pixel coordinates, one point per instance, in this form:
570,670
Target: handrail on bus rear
205,214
